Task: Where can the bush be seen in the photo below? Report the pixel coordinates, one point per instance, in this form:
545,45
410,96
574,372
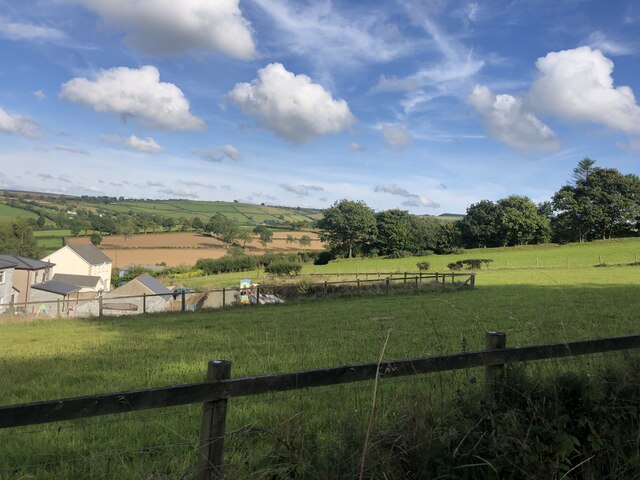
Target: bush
229,263
283,268
469,264
422,266
324,258
399,254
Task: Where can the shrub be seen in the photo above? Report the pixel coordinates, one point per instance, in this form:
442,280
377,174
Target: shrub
229,263
469,264
324,258
422,266
283,267
399,254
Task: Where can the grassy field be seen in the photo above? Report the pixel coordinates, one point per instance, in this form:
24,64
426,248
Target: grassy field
7,212
57,358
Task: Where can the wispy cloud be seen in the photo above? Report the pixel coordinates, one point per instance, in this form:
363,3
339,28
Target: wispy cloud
72,149
28,31
178,193
602,42
301,190
193,183
218,154
412,199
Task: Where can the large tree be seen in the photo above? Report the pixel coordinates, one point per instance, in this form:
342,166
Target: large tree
394,231
225,229
16,238
520,222
600,203
348,225
479,227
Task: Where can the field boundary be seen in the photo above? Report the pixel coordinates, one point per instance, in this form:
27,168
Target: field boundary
220,387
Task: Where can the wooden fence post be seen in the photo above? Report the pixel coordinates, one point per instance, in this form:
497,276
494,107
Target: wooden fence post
358,282
494,373
184,301
437,278
405,277
473,280
212,432
100,306
224,297
258,295
12,309
58,308
325,288
387,282
416,283
144,302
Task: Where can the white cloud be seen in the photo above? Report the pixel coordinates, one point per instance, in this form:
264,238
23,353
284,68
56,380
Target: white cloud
577,85
193,183
321,34
173,27
143,144
506,120
412,199
356,147
17,124
291,105
178,193
138,93
148,145
28,31
395,136
218,154
602,42
302,190
39,94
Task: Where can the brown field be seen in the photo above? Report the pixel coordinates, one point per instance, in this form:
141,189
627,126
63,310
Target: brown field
180,248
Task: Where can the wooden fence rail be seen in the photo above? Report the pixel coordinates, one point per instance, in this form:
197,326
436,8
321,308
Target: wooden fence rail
219,387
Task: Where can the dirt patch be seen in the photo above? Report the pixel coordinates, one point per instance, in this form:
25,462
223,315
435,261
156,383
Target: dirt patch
185,248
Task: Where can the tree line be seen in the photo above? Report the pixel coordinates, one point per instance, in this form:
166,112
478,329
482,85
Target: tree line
596,203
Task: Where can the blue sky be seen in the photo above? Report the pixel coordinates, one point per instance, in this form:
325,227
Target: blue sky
427,106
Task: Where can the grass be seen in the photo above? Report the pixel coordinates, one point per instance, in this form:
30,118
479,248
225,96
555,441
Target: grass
11,212
58,358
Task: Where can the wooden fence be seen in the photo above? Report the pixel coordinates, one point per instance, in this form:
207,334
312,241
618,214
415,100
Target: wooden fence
220,387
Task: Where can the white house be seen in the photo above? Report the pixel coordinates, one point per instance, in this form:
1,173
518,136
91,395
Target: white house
27,271
82,259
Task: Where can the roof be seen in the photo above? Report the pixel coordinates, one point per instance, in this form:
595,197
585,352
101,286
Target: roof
89,253
58,288
24,263
152,284
4,264
77,280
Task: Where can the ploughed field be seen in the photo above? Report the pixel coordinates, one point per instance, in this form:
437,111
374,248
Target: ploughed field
185,248
569,300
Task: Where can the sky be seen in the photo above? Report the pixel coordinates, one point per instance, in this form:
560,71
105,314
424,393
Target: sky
427,106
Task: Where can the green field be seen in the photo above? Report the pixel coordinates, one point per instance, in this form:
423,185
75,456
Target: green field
11,212
57,358
204,209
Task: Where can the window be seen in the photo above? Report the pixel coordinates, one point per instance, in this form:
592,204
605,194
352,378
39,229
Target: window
2,273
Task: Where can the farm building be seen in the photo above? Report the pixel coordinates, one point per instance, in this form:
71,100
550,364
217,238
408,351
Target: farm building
82,259
27,272
145,292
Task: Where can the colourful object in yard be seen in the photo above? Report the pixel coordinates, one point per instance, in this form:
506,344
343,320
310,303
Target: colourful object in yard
244,299
245,283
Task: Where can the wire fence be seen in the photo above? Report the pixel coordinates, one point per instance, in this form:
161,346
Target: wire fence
83,305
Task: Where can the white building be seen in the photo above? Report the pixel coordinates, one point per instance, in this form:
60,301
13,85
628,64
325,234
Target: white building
82,259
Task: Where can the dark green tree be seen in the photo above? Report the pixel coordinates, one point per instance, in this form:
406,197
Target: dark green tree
197,224
16,238
520,222
348,226
479,227
96,239
394,231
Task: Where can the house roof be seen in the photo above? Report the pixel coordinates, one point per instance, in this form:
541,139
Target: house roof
24,263
152,284
89,253
77,280
58,288
4,264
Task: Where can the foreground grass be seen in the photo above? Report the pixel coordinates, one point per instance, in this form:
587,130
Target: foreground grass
58,358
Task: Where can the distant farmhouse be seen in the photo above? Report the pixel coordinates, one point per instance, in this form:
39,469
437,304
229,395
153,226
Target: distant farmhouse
75,263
